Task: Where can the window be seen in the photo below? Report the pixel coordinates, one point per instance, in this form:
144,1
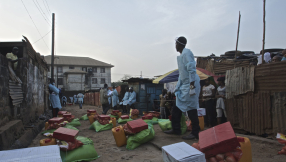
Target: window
102,81
102,70
60,69
84,69
94,69
71,67
94,80
60,81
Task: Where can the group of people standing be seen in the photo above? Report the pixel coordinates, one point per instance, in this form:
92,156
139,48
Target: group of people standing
110,98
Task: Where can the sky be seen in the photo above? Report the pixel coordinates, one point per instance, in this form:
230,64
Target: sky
139,35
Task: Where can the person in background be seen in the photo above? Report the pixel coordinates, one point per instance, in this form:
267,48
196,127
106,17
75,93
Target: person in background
13,57
187,91
132,98
109,93
54,98
220,95
64,100
60,93
156,106
276,58
74,99
163,98
284,55
114,98
169,104
125,99
104,99
80,100
208,103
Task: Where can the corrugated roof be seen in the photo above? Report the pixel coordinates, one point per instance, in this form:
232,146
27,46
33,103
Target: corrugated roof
76,71
72,60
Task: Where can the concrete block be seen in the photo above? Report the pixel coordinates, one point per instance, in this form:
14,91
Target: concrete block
9,133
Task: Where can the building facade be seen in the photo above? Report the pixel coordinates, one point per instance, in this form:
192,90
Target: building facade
79,74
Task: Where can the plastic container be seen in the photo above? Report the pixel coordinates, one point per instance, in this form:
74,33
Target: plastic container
202,123
46,125
119,114
91,119
119,136
48,141
113,122
246,150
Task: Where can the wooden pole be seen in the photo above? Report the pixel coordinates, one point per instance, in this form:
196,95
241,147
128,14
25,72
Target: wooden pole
237,35
53,38
263,41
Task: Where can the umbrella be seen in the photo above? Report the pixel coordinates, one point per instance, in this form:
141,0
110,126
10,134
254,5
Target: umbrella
173,76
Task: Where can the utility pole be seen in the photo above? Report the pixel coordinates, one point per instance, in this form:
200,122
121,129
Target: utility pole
53,38
237,35
263,41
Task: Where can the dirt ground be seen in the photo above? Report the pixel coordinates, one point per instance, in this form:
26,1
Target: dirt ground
106,148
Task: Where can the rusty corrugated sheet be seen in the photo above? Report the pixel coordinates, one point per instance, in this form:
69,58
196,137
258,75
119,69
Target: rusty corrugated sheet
202,62
224,65
239,81
251,112
279,112
271,77
16,93
96,98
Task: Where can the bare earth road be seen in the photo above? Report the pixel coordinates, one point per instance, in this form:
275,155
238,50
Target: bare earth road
105,146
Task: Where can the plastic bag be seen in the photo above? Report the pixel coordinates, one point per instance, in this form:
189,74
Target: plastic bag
281,138
166,124
83,153
75,123
144,136
68,146
123,121
98,127
113,116
84,117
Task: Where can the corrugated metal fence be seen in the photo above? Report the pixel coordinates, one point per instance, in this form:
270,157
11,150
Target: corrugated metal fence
239,81
260,107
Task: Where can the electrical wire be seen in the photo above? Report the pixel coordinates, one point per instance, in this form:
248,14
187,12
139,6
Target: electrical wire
34,24
42,37
48,7
42,10
41,13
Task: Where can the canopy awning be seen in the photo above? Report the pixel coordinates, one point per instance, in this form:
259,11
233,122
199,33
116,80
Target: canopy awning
173,76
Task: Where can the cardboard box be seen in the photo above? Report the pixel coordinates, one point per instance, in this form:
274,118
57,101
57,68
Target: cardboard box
218,140
62,112
124,117
115,111
67,115
147,117
91,111
201,112
56,120
137,125
182,152
104,117
65,134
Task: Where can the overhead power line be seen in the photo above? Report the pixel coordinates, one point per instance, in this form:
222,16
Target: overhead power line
42,37
34,24
42,13
48,7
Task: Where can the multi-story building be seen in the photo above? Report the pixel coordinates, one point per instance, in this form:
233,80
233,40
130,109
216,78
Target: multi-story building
79,73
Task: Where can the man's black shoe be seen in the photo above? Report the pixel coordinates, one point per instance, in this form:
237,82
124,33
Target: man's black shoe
189,137
172,132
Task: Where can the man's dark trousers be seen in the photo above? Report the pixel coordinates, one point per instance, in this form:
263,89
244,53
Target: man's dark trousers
105,108
176,120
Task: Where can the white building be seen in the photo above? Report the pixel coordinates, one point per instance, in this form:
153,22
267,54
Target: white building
79,73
